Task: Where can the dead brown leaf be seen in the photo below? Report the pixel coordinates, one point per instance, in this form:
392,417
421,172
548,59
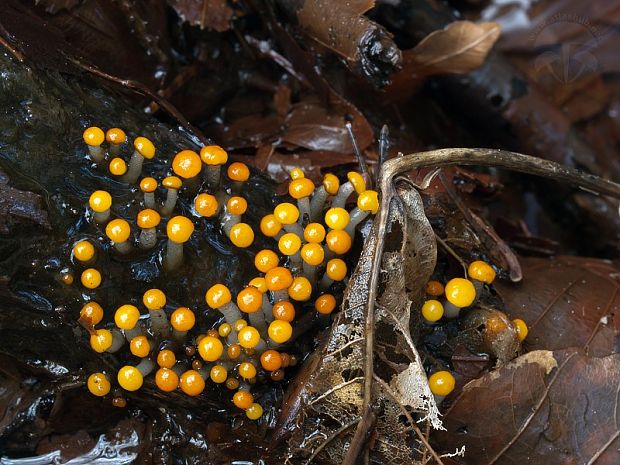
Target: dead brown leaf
543,408
459,48
208,14
19,207
567,302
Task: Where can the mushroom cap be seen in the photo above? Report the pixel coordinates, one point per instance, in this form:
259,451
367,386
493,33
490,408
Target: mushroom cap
139,346
91,278
83,251
286,213
254,411
337,218
224,330
148,218
283,310
325,304
259,283
233,351
297,173
93,136
117,166
238,171
210,348
206,205
481,271
218,374
166,358
100,201
313,254
300,188
432,310
179,229
101,340
127,316
368,201
172,182
265,260
271,360
130,378
336,269
357,180
182,319
242,235
118,230
243,399
521,328
148,184
441,383
270,226
250,300
247,370
213,155
249,337
218,295
280,331
236,205
98,384
115,136
289,243
331,183
460,292
339,241
166,379
154,299
91,313
314,232
278,278
434,288
300,289
144,147
186,164
192,383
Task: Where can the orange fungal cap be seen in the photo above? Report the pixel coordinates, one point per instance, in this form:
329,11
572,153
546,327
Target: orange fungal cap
144,147
179,229
213,155
186,164
93,136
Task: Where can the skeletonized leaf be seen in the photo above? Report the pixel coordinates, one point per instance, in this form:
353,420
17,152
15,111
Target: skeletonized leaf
328,402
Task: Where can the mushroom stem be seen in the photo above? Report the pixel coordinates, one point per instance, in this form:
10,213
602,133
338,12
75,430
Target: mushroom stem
294,228
149,200
133,332
309,271
478,286
326,282
96,153
229,221
450,310
135,168
213,176
160,327
295,262
146,366
123,247
356,217
317,203
101,217
279,295
303,204
179,336
266,308
174,255
257,319
170,203
118,340
148,238
343,194
231,313
114,149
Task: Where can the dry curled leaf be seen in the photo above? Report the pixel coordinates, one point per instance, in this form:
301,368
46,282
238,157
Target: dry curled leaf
459,48
328,401
567,302
543,408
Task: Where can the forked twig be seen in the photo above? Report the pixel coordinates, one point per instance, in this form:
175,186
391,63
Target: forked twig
445,157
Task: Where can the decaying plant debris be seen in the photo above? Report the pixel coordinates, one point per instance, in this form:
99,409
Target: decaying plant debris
274,82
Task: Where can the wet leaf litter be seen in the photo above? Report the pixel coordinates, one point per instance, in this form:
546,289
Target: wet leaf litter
367,407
